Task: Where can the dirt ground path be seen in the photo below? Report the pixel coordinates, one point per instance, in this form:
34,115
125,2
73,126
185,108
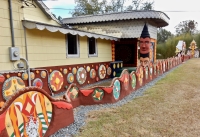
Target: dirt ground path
171,108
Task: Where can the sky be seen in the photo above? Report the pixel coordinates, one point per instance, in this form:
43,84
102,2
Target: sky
176,10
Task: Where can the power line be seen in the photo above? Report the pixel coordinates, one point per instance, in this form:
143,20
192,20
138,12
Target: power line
162,10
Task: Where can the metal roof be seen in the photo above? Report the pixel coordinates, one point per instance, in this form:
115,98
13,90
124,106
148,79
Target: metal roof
125,29
158,17
41,26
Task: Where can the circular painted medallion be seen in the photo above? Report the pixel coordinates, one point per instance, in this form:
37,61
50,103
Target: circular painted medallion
74,70
56,80
163,66
2,78
98,94
146,72
73,92
88,68
65,71
116,89
19,74
25,76
38,83
102,72
140,78
32,75
81,75
70,78
133,82
150,72
43,74
92,73
11,85
109,71
154,67
126,80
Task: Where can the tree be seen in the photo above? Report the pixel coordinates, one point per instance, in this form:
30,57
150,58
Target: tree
163,35
60,18
188,26
87,7
147,6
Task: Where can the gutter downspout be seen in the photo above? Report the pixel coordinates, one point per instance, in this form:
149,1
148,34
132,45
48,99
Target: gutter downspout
11,23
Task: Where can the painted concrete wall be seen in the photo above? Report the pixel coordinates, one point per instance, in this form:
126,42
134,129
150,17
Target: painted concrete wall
49,49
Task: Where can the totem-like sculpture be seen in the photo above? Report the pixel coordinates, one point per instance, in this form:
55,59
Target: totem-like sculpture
193,50
145,43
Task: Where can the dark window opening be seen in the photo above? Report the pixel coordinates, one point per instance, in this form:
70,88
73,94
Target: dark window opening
72,44
92,46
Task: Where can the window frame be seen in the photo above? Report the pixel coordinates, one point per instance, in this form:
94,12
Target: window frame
96,48
77,44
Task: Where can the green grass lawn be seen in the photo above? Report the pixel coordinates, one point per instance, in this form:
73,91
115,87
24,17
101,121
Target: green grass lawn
171,108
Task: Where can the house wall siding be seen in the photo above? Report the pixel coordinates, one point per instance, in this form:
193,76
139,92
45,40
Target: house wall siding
49,49
36,14
5,33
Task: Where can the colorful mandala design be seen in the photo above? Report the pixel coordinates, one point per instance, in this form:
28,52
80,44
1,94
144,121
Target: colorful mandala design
11,86
163,66
25,76
29,115
88,68
32,75
43,74
126,80
92,73
38,83
146,72
65,71
73,92
2,78
74,70
70,78
98,94
109,70
154,69
140,76
81,75
116,89
158,69
56,80
133,82
102,72
150,72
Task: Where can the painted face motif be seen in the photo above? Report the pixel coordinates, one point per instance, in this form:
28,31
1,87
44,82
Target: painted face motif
144,61
145,45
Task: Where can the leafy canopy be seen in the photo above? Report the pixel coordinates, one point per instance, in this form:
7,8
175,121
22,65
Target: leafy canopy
188,26
87,7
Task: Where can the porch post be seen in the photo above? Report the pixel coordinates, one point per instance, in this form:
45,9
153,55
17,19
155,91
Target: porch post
113,50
